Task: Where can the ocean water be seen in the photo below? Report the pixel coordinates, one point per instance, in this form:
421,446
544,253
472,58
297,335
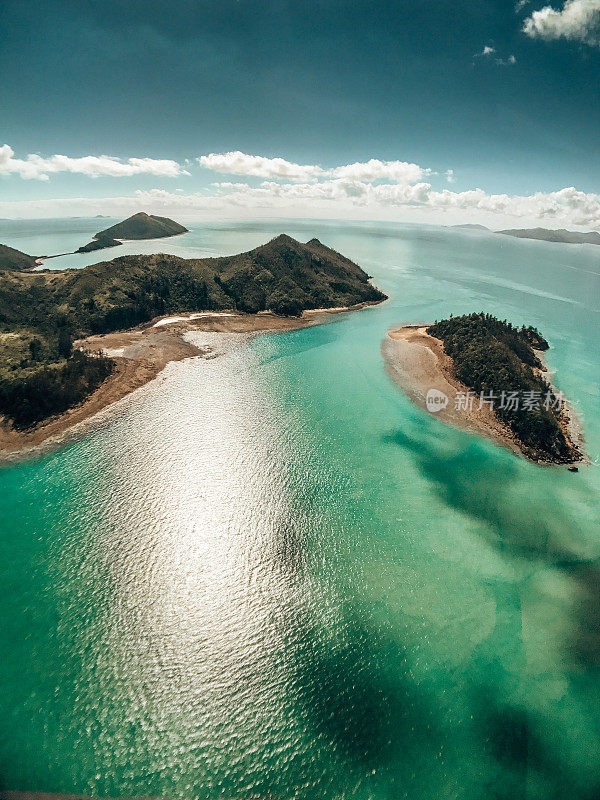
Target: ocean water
268,575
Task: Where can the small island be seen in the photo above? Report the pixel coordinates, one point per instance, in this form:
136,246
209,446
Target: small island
138,226
74,341
487,376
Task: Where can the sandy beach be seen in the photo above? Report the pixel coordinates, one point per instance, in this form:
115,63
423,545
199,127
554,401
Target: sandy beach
418,363
140,355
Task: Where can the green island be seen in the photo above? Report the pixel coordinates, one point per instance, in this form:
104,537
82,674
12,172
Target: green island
138,226
43,313
493,357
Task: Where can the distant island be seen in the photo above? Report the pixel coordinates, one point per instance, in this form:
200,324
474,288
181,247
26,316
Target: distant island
14,259
471,226
56,348
138,226
561,236
487,376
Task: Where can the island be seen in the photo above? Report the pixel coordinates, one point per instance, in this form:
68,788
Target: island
471,226
138,226
143,226
74,341
487,376
14,259
561,236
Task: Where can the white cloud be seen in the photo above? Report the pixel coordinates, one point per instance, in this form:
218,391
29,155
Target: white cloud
237,163
37,167
372,189
339,198
376,170
490,52
579,20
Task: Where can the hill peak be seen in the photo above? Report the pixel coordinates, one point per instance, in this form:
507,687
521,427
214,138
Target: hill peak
284,238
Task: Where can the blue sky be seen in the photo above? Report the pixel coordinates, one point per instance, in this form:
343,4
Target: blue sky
505,97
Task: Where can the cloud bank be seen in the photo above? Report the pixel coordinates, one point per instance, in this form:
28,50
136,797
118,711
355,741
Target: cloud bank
36,167
372,189
375,185
339,199
567,206
238,163
579,20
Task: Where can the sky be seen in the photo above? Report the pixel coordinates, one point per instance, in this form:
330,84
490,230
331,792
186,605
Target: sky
441,111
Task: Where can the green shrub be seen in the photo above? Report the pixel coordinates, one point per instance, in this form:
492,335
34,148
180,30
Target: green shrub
29,397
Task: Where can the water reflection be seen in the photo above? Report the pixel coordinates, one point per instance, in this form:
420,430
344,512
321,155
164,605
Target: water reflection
194,552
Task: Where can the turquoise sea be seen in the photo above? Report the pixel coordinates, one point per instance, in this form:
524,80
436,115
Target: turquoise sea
268,575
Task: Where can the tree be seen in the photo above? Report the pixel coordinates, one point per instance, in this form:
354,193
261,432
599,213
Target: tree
35,348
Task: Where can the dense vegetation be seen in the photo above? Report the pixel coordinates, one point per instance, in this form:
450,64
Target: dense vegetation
40,373
284,276
33,394
492,356
41,313
15,259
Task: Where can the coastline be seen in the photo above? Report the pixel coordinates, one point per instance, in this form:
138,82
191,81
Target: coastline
417,362
39,260
140,355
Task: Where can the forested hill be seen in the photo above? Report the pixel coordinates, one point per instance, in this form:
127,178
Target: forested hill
15,259
41,313
283,276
